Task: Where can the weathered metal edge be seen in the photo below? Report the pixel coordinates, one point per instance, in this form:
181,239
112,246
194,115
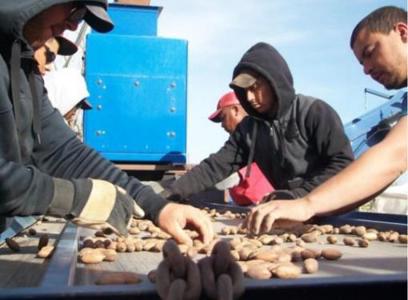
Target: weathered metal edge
314,286
17,225
61,267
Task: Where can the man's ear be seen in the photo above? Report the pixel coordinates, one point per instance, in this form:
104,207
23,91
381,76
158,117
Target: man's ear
235,110
401,28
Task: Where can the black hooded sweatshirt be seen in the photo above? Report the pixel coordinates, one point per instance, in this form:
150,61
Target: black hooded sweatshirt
39,153
297,147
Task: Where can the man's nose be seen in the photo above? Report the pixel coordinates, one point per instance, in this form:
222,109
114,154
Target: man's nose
250,95
71,25
59,29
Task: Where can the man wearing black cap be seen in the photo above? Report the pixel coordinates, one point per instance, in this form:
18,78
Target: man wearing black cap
297,141
44,168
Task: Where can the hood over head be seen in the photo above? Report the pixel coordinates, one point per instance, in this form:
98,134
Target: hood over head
265,60
15,14
16,51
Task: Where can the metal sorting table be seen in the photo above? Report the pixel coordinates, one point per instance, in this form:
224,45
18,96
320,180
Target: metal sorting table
374,272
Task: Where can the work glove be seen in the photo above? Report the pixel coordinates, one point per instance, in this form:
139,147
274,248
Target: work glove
100,204
279,194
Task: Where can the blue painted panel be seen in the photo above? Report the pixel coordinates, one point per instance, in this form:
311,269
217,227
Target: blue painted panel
134,55
138,90
370,128
134,20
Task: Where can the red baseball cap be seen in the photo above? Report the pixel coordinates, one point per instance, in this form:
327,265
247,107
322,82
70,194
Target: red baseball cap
227,100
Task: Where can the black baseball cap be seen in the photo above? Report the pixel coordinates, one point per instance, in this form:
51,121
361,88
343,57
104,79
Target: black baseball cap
97,17
243,80
66,47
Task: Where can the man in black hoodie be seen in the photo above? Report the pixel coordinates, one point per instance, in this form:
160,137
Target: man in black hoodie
297,141
379,42
44,168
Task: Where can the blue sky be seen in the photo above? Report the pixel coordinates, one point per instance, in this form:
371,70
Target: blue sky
312,35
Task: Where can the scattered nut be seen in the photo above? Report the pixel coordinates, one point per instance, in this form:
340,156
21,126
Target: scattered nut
345,229
370,236
362,243
311,265
332,239
13,245
45,252
92,257
260,272
43,241
118,278
309,237
394,237
403,238
32,231
331,254
287,271
359,230
348,241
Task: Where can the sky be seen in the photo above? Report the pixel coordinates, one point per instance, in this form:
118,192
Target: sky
312,35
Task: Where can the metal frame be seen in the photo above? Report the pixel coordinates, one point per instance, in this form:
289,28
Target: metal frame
17,224
61,269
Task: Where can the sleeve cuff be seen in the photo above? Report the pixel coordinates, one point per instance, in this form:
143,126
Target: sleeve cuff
63,198
151,203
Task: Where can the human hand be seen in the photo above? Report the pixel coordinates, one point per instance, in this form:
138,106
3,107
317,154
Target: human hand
262,217
174,217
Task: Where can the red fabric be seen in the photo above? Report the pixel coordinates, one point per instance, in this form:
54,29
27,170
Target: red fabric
251,190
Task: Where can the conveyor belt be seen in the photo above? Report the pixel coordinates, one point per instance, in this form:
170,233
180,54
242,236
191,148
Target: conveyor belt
369,271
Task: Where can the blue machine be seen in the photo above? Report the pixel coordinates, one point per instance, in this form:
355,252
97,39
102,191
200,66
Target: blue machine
371,127
138,90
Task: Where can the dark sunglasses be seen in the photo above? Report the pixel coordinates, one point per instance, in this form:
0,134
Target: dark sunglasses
49,55
77,15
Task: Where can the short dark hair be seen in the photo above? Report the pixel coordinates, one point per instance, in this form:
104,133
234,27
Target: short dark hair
380,20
